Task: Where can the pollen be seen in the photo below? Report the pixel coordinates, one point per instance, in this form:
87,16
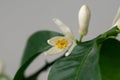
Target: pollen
62,43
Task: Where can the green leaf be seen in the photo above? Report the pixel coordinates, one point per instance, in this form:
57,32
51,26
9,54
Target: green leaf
110,60
36,44
82,64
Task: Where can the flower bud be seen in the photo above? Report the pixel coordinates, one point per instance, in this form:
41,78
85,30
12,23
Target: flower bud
116,21
84,18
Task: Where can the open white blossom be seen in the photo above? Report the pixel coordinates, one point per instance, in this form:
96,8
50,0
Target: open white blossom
116,21
84,18
64,43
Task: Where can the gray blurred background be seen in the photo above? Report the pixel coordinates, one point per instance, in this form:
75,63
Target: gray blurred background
20,18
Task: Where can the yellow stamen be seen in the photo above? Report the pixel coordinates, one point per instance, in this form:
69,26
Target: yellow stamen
61,44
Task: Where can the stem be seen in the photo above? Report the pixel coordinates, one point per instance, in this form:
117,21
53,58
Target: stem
111,33
81,36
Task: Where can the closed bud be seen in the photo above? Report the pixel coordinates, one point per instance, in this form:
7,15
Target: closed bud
84,18
116,21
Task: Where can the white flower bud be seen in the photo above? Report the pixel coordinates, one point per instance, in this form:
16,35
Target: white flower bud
84,18
116,21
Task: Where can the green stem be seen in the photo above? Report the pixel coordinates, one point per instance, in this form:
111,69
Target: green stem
111,33
81,36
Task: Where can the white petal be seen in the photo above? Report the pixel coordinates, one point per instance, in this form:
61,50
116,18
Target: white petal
53,40
53,50
70,49
70,36
65,29
117,17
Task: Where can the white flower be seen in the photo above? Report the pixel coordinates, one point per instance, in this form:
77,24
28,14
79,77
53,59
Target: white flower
64,43
84,18
116,21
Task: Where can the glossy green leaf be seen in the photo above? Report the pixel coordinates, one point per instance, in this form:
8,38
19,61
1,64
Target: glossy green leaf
110,60
37,43
82,64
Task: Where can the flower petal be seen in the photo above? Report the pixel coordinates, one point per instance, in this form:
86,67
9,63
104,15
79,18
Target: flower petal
53,50
53,40
71,48
64,28
117,17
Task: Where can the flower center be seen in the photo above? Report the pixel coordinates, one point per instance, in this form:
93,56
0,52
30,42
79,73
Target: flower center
61,44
